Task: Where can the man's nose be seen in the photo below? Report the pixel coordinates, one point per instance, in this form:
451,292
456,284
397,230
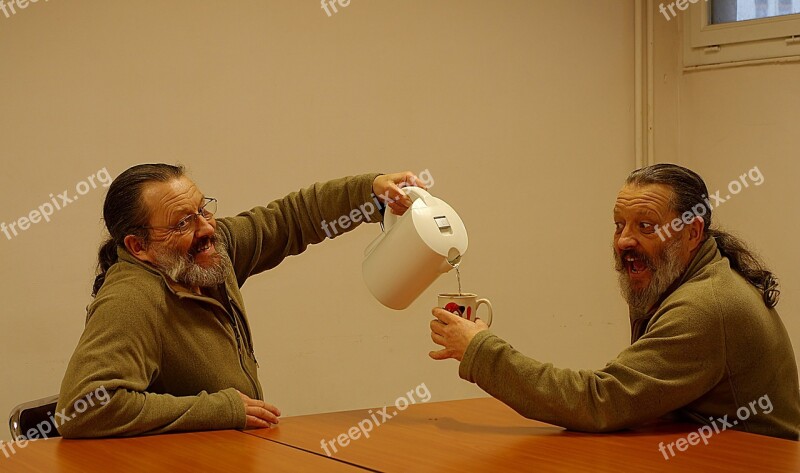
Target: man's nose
204,227
626,240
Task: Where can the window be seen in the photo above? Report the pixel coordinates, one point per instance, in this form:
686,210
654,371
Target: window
730,31
727,11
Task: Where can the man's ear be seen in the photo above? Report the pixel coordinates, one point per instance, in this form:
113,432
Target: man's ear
136,247
696,232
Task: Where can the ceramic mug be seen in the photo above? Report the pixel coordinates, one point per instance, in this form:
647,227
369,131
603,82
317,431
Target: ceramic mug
465,305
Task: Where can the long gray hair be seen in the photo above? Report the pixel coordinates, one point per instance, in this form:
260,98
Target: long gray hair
125,213
688,192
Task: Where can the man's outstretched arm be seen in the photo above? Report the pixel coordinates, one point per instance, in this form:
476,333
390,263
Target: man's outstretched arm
664,370
259,239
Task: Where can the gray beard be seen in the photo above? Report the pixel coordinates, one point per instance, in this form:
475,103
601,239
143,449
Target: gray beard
666,270
183,269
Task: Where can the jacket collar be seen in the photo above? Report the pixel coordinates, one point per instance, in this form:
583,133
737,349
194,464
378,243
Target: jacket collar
124,256
707,253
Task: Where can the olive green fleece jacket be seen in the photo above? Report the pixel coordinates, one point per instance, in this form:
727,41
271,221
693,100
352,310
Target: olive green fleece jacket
708,349
172,361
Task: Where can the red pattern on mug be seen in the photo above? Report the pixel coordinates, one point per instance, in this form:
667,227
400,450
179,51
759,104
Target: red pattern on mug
454,308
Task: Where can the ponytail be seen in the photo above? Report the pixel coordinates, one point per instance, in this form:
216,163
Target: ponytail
105,259
746,263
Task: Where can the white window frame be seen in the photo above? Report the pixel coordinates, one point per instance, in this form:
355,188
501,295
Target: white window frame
743,41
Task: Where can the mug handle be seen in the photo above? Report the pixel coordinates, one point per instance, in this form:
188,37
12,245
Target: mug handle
488,306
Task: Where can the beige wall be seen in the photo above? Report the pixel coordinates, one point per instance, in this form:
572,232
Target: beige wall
521,110
724,122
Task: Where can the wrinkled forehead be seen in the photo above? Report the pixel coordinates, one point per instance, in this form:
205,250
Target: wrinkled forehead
170,201
655,199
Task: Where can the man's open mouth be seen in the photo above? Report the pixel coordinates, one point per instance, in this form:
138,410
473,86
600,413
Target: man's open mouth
203,246
635,264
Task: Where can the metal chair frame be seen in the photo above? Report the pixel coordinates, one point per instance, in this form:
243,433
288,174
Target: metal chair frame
30,416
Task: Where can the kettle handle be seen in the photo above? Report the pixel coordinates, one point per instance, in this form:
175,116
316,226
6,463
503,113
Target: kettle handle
414,193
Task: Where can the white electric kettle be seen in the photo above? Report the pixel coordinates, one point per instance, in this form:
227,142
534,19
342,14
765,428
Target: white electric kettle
413,250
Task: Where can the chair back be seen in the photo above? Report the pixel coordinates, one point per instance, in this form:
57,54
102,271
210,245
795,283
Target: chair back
34,419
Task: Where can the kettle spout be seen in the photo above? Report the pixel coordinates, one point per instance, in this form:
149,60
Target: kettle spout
454,257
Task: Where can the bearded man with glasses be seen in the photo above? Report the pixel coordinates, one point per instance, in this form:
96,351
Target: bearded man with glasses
167,334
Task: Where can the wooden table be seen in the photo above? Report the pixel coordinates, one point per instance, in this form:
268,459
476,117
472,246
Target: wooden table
225,450
458,436
486,435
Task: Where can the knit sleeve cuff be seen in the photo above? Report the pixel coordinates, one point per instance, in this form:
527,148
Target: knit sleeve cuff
471,354
238,415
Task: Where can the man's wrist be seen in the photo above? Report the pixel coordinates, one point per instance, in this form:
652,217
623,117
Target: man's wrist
376,197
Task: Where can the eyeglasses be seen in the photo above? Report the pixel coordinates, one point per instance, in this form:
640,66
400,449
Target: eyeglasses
188,224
